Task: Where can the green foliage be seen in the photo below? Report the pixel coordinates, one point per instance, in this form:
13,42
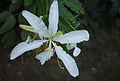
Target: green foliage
21,19
9,24
65,13
65,26
9,39
4,15
101,14
12,18
75,5
27,2
38,7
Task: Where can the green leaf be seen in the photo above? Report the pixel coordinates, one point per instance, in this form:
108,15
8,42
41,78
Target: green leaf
28,2
38,7
65,26
75,5
42,7
9,24
4,15
14,1
15,6
9,39
76,24
64,12
25,34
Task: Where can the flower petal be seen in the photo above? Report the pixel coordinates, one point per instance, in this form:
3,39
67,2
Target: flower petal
71,46
53,18
57,35
24,46
76,51
68,61
74,37
44,56
44,33
36,22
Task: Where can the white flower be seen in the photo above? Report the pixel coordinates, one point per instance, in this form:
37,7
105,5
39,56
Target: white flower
51,36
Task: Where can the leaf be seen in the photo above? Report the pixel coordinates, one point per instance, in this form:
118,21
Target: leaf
9,24
8,39
65,26
75,5
15,6
38,7
27,2
64,12
4,15
76,24
42,7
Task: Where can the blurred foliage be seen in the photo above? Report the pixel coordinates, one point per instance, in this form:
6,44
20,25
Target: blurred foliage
101,14
10,19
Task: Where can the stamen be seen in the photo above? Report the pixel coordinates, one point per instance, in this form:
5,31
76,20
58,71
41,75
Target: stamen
26,27
22,60
35,36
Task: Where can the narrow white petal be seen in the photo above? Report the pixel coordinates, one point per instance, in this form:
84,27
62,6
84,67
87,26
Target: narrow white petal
44,56
71,46
36,22
24,46
76,51
67,60
74,37
57,35
44,33
53,18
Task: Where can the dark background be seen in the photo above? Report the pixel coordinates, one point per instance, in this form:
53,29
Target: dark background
100,56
